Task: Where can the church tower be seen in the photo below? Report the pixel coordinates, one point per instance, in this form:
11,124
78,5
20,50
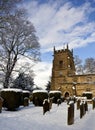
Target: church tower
65,79
63,67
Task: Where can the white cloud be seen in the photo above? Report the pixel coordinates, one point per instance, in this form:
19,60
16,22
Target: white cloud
56,24
43,73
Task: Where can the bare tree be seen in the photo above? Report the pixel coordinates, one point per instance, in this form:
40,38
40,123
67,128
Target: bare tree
17,37
78,65
7,7
89,66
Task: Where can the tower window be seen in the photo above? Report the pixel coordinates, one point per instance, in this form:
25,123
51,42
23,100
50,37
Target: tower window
60,63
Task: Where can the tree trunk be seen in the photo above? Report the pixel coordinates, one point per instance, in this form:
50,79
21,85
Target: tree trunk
6,81
10,67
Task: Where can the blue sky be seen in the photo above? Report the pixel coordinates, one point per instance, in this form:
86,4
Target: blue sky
61,22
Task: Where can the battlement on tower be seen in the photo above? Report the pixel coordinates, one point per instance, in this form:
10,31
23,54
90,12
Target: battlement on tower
63,51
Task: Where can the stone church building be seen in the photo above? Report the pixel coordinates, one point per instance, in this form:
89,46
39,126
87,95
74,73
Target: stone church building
64,77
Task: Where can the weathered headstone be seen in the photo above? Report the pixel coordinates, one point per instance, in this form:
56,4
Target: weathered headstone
93,103
26,101
86,106
78,104
45,106
1,103
71,114
58,102
50,103
82,109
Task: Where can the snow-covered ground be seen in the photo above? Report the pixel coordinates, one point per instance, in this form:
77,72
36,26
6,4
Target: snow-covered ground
32,118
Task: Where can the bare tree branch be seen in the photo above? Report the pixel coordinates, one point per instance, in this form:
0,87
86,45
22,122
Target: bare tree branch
17,37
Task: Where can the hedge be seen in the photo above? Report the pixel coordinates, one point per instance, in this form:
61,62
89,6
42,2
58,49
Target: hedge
39,96
12,98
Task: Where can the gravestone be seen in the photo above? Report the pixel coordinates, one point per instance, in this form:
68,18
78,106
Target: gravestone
71,113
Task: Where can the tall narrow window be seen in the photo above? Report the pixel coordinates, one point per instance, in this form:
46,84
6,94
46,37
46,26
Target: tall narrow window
60,63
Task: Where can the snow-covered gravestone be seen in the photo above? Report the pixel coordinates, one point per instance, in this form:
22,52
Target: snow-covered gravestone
59,102
45,106
78,104
82,109
25,97
70,113
93,103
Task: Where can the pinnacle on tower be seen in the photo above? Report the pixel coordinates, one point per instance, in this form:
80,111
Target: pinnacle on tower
54,48
67,47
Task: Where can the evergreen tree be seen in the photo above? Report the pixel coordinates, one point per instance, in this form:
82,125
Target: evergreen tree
24,82
48,86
